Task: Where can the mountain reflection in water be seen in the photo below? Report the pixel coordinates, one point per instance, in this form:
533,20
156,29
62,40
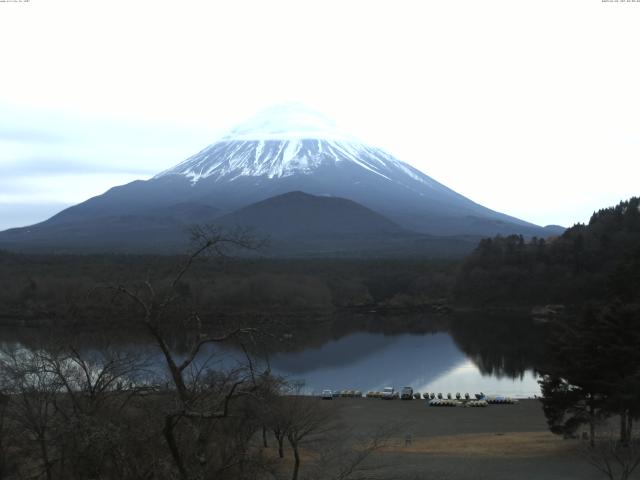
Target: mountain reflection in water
371,361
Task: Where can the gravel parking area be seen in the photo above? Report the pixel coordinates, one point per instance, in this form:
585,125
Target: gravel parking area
495,442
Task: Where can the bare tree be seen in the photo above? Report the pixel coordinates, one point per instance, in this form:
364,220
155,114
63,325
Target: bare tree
94,413
313,425
201,397
7,466
307,417
33,394
615,459
97,386
348,459
95,377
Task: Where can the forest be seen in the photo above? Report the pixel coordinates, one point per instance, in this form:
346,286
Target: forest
48,289
598,261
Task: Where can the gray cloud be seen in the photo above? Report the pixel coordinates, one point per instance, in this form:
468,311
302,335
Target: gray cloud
47,166
23,135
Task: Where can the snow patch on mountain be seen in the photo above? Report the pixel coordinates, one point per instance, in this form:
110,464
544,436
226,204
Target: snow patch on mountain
228,160
289,140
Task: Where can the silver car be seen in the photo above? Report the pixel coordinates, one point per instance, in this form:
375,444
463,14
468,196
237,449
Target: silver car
388,393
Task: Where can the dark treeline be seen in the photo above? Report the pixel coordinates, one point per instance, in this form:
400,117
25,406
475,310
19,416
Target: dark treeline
597,261
37,288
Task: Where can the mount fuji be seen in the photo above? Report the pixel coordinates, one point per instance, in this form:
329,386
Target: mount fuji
283,149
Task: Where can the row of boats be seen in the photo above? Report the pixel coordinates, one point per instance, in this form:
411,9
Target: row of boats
479,401
435,399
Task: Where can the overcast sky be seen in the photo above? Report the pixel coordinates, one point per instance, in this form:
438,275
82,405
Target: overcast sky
530,107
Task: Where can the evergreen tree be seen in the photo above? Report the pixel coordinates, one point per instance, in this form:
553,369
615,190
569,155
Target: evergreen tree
593,370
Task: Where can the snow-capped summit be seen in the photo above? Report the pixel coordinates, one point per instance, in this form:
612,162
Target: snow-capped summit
288,121
286,140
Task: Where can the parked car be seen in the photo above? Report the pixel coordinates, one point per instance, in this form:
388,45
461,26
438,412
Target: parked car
388,393
326,395
406,393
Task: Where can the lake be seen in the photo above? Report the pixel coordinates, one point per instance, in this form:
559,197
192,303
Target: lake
490,355
371,361
456,354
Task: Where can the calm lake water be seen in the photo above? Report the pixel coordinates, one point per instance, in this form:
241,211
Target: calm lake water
494,356
372,361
